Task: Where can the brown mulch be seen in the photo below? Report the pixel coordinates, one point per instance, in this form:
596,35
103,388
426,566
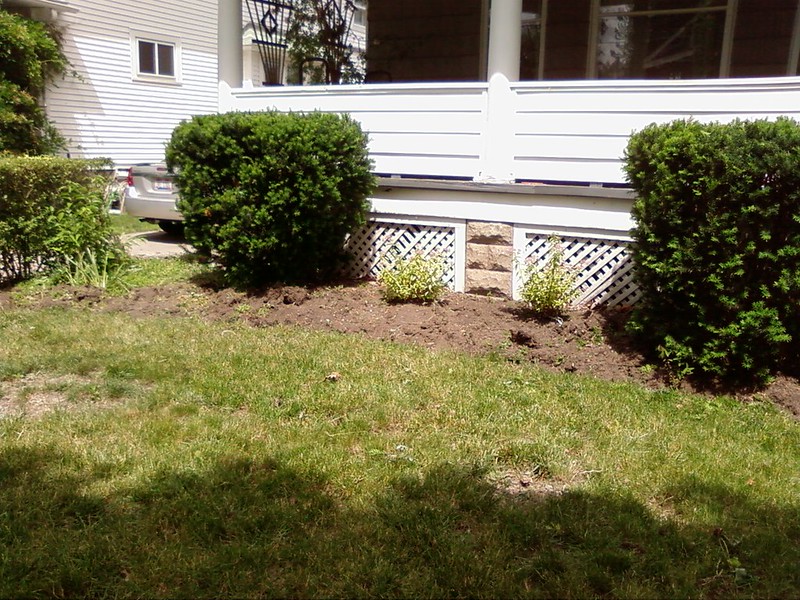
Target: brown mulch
586,342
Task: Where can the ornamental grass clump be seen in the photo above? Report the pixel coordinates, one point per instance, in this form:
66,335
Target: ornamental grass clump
415,279
548,290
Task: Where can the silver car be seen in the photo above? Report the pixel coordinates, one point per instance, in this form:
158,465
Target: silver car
152,195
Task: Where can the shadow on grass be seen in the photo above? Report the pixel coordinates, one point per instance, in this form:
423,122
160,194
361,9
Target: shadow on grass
244,528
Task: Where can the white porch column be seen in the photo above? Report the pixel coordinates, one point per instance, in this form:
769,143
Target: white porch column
505,32
229,42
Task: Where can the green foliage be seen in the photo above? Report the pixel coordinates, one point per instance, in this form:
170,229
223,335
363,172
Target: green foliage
717,245
99,270
320,43
52,210
415,279
271,196
30,55
548,290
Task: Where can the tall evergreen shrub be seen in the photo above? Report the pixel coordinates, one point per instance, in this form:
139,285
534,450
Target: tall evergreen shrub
717,245
271,196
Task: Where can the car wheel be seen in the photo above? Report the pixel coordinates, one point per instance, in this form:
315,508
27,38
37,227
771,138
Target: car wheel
171,227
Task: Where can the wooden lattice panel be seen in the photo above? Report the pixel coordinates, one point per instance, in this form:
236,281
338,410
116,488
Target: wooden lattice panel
604,267
378,245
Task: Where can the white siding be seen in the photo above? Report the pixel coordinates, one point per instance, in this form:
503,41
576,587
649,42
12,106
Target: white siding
105,111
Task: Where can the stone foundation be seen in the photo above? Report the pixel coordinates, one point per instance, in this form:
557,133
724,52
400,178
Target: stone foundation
490,258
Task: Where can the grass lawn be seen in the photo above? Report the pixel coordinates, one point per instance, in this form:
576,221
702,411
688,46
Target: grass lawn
175,458
125,223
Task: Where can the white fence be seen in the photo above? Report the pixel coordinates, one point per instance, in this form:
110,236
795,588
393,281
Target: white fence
565,131
384,241
413,129
602,265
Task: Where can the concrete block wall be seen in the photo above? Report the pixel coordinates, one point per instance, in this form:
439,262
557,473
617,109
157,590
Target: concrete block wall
490,258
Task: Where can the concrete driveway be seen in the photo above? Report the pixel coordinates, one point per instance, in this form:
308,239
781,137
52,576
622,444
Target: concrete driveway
155,244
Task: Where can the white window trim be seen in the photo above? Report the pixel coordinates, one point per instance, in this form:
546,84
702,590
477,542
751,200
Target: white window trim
542,39
136,75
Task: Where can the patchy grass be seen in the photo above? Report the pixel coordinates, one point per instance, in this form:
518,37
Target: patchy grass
182,459
125,223
137,273
147,272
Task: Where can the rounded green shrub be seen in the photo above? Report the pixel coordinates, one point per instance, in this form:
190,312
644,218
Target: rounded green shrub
717,245
271,196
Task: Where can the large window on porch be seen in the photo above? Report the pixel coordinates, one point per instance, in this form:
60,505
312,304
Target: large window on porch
659,39
654,39
448,40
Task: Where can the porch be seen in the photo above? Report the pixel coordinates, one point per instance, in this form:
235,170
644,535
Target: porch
482,171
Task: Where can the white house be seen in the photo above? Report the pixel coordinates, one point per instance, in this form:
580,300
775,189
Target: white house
140,67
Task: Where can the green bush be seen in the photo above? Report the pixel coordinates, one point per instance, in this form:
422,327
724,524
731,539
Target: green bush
30,56
271,196
548,290
717,245
52,210
415,279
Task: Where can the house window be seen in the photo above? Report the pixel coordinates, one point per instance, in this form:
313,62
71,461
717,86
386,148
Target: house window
156,59
660,39
360,17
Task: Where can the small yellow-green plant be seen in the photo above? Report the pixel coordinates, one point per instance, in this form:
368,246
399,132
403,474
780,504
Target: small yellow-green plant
548,290
415,279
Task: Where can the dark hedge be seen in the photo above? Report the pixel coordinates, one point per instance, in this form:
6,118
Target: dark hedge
272,196
717,245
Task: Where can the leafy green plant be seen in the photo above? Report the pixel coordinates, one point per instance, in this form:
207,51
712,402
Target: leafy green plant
549,289
677,358
414,279
717,245
271,196
30,56
102,270
52,210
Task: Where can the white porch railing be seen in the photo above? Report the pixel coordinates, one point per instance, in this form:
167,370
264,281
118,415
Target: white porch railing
428,130
505,132
540,131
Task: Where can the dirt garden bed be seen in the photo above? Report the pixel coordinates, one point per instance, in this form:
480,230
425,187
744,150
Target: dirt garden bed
585,342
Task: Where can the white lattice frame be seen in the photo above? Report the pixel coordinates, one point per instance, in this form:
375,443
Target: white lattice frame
590,295
460,242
